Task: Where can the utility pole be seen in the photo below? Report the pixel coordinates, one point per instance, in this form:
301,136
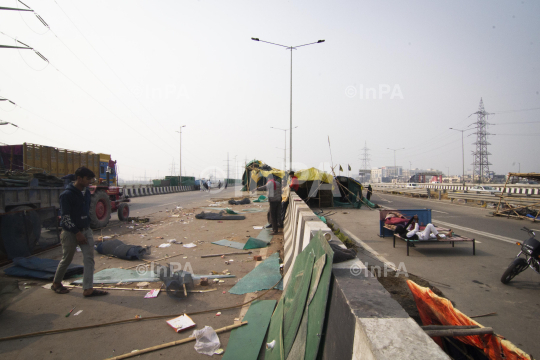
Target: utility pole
395,169
180,132
481,162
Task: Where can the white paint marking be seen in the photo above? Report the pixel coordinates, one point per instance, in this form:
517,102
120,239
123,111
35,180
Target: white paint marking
482,233
442,212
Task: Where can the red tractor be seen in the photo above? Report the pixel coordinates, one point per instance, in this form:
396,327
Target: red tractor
106,200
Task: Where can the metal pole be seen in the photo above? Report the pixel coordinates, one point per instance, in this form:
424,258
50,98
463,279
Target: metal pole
463,157
180,172
285,152
290,127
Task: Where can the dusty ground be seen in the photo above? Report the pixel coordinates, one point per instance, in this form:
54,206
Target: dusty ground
38,309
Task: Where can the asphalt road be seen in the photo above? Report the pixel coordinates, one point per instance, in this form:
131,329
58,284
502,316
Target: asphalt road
473,282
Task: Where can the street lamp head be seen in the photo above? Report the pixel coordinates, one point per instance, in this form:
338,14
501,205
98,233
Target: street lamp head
320,41
183,126
257,39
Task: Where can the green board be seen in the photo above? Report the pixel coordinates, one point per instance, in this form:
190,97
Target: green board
263,277
246,341
304,304
275,333
232,244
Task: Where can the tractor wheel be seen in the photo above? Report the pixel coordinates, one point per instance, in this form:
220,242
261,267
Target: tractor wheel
100,210
19,234
123,212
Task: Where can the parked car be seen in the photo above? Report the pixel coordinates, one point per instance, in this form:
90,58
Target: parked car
485,190
410,185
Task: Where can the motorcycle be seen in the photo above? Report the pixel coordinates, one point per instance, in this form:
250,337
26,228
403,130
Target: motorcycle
531,249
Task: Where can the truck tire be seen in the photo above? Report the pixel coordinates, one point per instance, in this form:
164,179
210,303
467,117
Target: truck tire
19,235
123,212
100,210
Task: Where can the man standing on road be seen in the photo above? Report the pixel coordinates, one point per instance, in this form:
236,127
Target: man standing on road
369,191
74,209
209,183
274,197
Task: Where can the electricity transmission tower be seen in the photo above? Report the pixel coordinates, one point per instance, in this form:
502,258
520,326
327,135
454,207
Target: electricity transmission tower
365,170
481,162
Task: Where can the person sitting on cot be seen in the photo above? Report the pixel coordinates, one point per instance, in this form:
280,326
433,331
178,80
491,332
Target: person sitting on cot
412,232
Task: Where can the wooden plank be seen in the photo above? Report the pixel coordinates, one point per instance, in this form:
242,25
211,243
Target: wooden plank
460,332
245,343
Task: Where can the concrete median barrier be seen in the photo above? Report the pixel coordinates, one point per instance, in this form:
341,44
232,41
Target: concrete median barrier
363,321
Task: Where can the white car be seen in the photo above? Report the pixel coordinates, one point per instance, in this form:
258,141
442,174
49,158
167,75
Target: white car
485,190
411,185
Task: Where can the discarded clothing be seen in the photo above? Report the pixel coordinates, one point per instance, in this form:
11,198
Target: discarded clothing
244,201
120,250
40,268
220,216
341,254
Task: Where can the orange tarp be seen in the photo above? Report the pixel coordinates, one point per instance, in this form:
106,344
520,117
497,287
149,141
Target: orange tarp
435,310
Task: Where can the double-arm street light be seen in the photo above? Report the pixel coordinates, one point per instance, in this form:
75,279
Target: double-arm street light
291,48
285,148
395,169
462,151
180,132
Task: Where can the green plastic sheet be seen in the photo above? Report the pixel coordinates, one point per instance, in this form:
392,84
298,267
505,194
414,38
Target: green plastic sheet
263,277
254,243
232,244
261,198
246,341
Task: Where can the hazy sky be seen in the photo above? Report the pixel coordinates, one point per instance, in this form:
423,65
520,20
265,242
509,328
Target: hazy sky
124,75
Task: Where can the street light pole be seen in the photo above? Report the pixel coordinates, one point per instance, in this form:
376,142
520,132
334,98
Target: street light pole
291,48
395,170
463,152
180,132
285,148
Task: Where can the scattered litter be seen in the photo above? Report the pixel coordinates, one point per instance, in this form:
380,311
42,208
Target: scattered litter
181,323
228,243
216,280
221,281
130,227
219,351
138,317
143,284
207,340
204,281
152,294
185,257
236,319
165,245
226,262
159,237
231,260
226,272
190,245
257,258
78,249
257,228
77,313
69,313
271,345
224,292
218,313
173,241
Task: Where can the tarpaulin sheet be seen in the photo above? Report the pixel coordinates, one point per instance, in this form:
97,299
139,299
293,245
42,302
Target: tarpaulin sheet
263,277
115,275
254,243
435,310
313,174
232,244
38,268
261,198
246,341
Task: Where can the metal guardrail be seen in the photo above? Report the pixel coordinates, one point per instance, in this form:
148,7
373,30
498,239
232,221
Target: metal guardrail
418,191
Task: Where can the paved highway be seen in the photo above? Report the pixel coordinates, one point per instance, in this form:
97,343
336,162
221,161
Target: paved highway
472,282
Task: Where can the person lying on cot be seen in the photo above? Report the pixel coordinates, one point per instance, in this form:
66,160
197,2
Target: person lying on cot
414,233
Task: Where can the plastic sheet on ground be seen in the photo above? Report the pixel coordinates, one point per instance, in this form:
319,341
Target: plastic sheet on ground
38,268
261,198
435,310
115,275
263,277
254,243
231,244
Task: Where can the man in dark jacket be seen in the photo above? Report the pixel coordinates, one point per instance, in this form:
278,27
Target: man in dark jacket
274,197
74,209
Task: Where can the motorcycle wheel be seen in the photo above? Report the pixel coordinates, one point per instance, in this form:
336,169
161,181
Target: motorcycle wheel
517,266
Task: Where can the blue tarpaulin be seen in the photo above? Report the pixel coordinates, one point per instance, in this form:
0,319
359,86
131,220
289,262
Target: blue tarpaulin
40,268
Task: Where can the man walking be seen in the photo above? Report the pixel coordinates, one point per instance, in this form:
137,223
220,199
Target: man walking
274,197
74,208
369,192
